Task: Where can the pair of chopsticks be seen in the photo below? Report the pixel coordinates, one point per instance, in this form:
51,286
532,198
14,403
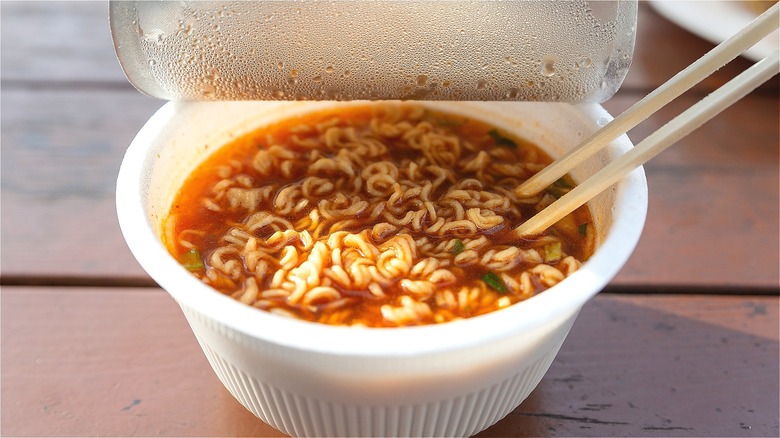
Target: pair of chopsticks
664,137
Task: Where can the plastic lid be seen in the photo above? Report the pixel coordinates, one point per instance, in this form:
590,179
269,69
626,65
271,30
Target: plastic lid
572,51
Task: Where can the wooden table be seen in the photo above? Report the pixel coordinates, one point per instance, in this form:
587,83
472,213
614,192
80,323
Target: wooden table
683,342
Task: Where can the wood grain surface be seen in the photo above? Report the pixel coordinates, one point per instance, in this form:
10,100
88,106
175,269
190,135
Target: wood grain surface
712,218
123,362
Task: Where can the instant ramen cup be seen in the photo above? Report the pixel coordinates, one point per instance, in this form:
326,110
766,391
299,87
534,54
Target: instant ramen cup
309,379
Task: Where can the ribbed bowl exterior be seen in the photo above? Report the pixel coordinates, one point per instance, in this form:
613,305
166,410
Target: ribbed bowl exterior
465,413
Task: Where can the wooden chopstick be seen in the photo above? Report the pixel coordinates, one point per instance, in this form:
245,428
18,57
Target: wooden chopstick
674,87
655,143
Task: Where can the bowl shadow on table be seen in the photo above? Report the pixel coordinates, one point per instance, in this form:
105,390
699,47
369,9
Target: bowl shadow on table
626,370
629,370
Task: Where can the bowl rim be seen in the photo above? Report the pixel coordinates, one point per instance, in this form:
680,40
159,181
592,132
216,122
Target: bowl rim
566,298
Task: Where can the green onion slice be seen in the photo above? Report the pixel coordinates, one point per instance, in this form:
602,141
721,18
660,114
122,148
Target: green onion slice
192,261
493,280
559,188
500,139
561,182
552,252
459,247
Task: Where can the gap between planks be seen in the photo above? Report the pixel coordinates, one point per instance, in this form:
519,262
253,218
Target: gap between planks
617,289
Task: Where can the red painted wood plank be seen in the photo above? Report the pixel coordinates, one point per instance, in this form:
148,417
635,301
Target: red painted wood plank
57,41
61,156
121,362
713,197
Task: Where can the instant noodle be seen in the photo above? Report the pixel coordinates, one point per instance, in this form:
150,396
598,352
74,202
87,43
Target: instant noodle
381,215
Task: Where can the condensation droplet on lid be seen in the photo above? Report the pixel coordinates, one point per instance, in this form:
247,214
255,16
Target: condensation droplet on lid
212,75
208,91
329,69
548,68
481,84
156,36
422,80
583,62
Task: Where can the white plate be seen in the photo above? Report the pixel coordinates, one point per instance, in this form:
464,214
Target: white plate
716,21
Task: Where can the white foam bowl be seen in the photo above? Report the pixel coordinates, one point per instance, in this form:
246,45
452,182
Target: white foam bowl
308,379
